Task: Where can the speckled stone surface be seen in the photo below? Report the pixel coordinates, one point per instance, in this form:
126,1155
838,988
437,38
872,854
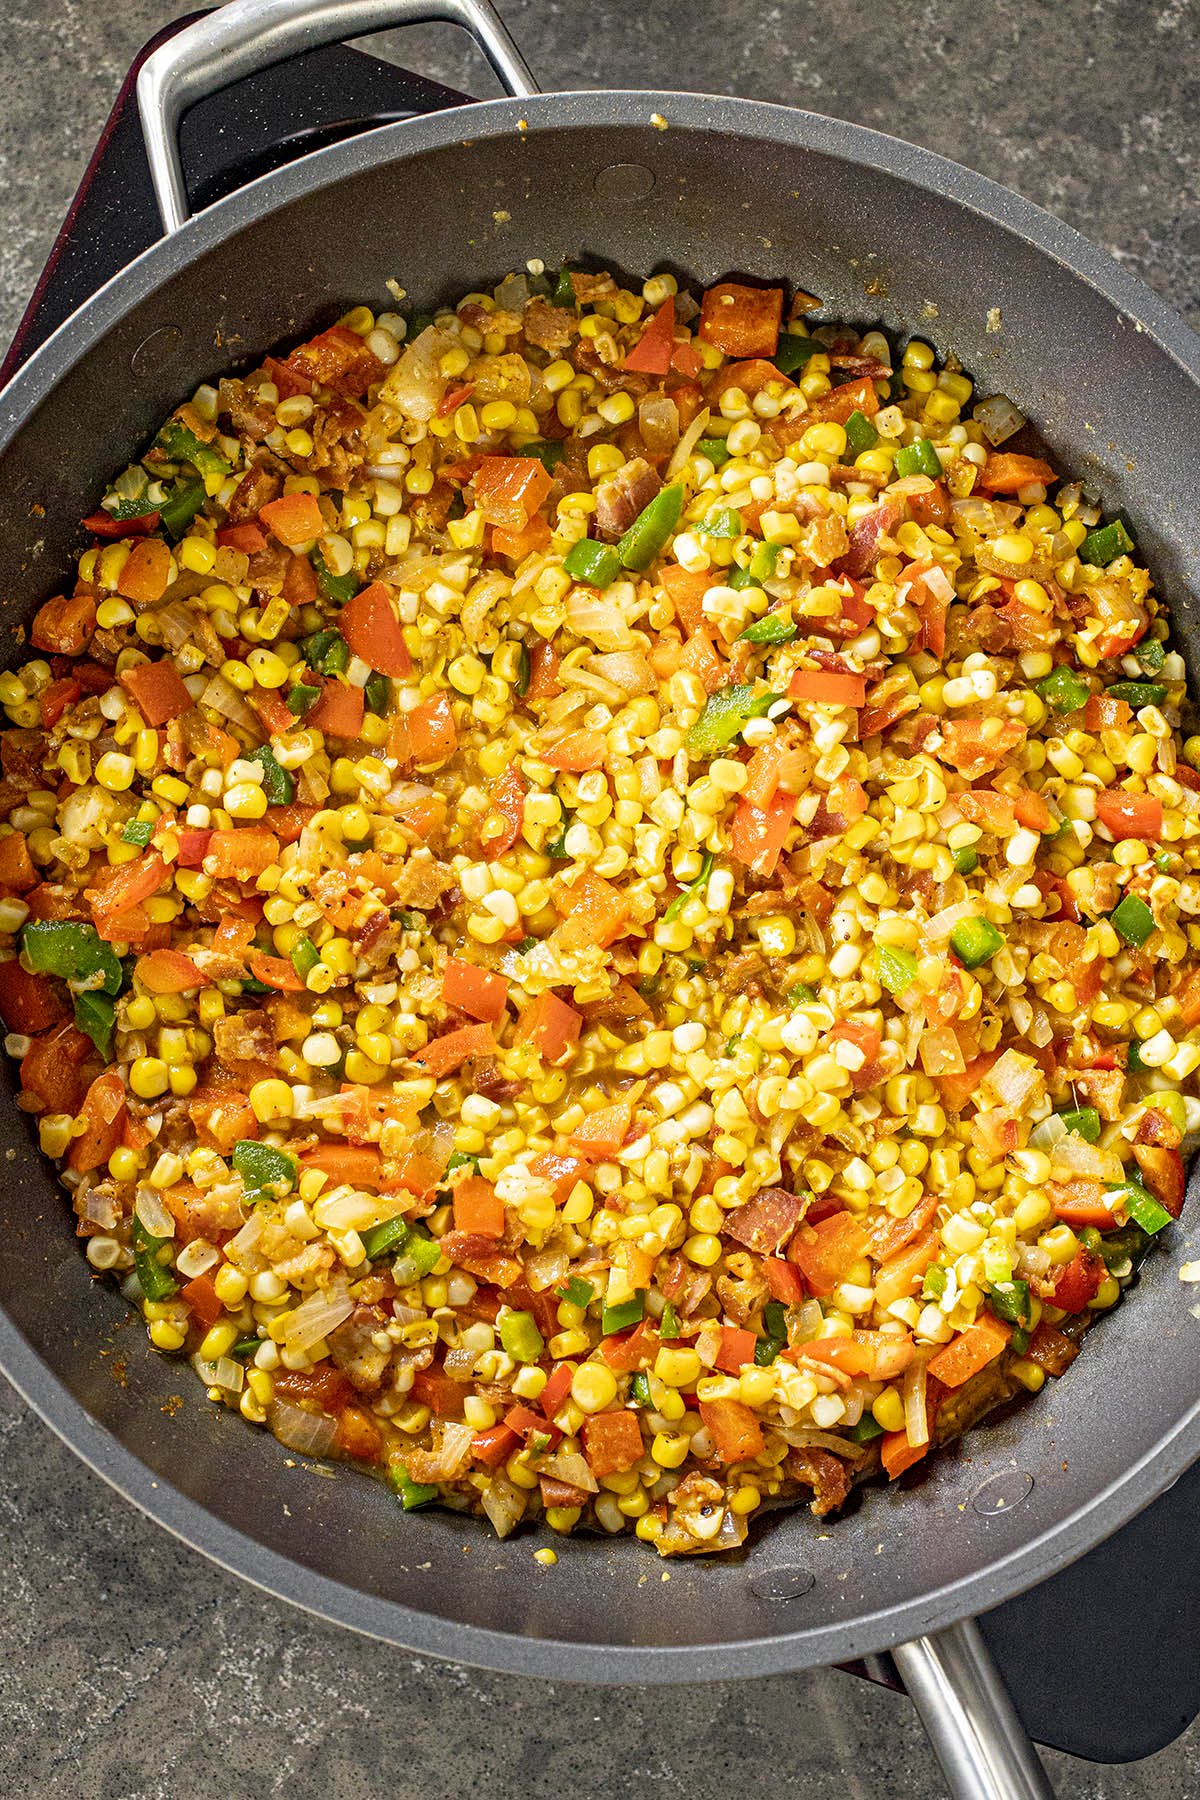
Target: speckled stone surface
131,1669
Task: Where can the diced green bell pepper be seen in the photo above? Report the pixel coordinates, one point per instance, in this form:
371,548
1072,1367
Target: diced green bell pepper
1142,1207
795,351
975,941
424,1251
725,715
1103,545
337,589
860,434
154,1277
412,1493
305,956
867,1430
1009,1300
966,861
524,671
774,1338
639,1389
1084,1121
377,694
772,628
597,564
1152,654
1138,693
564,291
918,459
179,444
668,1325
301,698
576,1291
1063,690
801,993
723,522
549,454
715,449
897,968
624,1314
277,783
1133,920
385,1239
520,1337
96,1016
933,1286
262,1166
648,534
180,507
73,951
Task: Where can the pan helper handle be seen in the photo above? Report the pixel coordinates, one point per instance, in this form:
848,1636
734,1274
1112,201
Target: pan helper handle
981,1744
247,35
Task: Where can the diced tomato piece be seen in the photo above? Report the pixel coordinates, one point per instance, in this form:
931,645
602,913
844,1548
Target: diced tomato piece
29,1003
784,1280
478,1208
17,872
1162,1167
358,1435
840,402
1081,1203
241,854
441,1056
1103,713
736,1434
169,972
828,688
977,746
543,672
549,1026
50,1068
358,1165
686,590
580,751
972,1350
510,489
653,350
494,1446
740,320
104,1115
146,572
338,712
157,690
898,1454
54,700
612,1442
427,734
557,1387
443,1395
823,1252
370,626
65,625
1129,815
877,1355
247,537
474,990
736,1348
625,1351
102,525
757,836
508,801
603,1132
1077,1283
595,911
1030,810
275,972
535,535
293,518
118,889
1005,472
203,1299
700,659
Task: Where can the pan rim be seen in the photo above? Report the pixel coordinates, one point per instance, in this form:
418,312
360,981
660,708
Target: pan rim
992,1583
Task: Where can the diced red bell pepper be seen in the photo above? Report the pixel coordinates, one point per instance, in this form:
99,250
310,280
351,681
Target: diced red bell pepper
29,1003
1078,1282
1129,815
736,1348
757,835
825,1251
293,518
612,1442
740,320
157,690
652,352
441,1056
473,990
64,625
247,537
370,626
736,1433
510,489
146,572
478,1208
494,1446
549,1026
104,1116
203,1299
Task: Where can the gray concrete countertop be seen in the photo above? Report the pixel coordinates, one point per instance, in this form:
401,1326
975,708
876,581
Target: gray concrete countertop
130,1668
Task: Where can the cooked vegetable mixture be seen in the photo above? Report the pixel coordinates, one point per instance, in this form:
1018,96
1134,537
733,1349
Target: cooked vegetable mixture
601,902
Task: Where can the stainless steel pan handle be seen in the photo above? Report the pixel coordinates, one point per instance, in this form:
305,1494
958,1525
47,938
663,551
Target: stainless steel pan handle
248,35
972,1724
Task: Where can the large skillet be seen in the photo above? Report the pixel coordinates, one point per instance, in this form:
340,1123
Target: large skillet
883,232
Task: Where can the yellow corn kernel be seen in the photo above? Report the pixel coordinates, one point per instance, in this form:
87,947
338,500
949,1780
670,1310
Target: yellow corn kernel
593,1387
670,1449
679,1367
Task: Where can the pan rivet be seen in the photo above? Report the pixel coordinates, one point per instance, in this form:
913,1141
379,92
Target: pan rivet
1002,1493
781,1584
623,184
156,351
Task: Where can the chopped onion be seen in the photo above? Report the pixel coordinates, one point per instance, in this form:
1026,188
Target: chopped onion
1073,1157
804,1321
569,1466
513,293
943,923
988,517
807,1437
1032,1260
592,616
658,422
101,1207
999,418
224,699
1014,1079
916,1416
546,1268
223,1373
312,1434
460,1363
627,670
315,1318
415,384
150,1210
504,1503
449,1456
688,442
1045,1135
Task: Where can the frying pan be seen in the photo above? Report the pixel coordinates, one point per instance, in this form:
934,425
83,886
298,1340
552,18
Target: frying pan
887,234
